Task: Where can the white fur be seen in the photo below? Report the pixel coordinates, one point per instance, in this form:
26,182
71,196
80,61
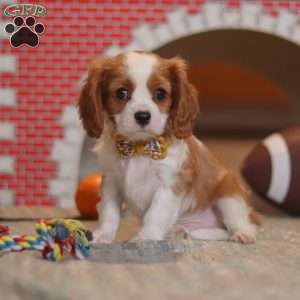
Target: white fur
109,212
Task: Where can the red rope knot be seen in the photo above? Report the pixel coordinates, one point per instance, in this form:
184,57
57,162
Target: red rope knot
3,230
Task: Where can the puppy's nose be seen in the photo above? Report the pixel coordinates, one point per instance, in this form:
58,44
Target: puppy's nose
142,117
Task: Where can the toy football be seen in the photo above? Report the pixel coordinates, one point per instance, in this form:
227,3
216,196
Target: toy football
88,195
272,169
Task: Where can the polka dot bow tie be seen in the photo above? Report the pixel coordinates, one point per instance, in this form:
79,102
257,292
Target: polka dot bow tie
156,148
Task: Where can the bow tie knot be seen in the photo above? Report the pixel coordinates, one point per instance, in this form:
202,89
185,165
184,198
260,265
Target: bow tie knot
156,148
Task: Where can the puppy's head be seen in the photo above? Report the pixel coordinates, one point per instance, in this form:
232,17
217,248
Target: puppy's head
141,94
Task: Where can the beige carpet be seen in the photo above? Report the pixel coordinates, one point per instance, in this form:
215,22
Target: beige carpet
270,269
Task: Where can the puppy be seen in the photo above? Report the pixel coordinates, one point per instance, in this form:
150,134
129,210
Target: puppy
142,109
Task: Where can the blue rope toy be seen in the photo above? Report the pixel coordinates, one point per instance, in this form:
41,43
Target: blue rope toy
53,238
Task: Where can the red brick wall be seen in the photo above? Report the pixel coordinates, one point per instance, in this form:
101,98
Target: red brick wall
76,31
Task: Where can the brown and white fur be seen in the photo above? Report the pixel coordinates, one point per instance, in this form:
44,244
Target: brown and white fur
188,180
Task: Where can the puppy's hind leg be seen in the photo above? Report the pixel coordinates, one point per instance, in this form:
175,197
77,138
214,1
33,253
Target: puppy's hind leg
230,199
235,213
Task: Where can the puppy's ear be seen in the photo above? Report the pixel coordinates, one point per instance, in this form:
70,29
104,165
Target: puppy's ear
185,105
90,100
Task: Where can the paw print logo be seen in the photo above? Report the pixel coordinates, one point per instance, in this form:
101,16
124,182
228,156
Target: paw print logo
24,32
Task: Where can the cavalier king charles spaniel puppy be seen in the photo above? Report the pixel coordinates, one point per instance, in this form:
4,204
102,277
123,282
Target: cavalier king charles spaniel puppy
142,109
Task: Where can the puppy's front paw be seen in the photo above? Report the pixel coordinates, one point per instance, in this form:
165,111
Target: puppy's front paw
244,236
104,237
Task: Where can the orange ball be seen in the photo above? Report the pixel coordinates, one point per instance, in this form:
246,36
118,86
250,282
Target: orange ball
88,195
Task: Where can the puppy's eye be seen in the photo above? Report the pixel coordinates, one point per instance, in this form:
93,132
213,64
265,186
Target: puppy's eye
160,94
122,94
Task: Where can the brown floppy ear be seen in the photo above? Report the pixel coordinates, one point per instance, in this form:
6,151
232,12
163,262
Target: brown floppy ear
90,100
185,105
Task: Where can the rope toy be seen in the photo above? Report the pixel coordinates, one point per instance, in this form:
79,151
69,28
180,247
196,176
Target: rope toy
53,238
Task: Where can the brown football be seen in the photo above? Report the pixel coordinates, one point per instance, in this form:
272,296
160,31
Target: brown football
272,169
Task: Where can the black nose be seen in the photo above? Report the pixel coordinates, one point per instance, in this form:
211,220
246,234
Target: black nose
142,117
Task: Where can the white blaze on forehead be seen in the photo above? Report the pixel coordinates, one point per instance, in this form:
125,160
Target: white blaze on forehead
140,67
